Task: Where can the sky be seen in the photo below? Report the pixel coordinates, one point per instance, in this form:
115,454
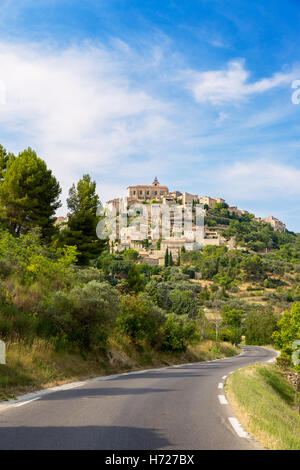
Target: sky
198,93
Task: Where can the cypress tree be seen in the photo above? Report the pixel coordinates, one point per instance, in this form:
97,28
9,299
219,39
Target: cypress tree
167,258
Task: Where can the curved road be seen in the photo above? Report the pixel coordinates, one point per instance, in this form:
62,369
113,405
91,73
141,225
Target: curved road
175,407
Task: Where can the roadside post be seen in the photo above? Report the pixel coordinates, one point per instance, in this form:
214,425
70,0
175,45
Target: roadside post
2,353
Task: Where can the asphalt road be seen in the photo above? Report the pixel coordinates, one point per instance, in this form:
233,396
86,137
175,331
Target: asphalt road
172,408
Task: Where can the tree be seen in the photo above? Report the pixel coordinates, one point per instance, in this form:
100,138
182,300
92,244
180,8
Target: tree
4,159
134,279
231,324
259,327
184,302
81,232
253,267
85,315
131,254
231,316
28,193
288,330
167,258
233,335
138,319
171,262
177,332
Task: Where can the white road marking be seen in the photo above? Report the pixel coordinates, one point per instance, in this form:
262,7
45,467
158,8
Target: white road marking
73,386
29,401
223,400
224,377
238,428
220,385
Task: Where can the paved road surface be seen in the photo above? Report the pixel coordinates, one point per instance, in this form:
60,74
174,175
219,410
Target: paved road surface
171,408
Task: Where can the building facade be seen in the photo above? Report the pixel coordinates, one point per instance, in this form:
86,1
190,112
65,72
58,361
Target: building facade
147,192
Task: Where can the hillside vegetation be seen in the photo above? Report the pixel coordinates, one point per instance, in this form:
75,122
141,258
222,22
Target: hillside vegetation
67,304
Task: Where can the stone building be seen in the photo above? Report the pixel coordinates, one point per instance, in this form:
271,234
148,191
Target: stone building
236,211
148,224
115,203
147,192
275,223
188,198
210,201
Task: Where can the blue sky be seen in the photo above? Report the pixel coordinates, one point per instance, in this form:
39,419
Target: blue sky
197,93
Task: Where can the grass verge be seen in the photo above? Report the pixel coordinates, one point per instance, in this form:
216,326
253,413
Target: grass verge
37,365
263,401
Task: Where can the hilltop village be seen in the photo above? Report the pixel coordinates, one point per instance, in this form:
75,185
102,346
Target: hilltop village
152,251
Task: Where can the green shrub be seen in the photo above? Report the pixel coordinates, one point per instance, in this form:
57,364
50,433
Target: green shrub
139,319
177,332
85,275
231,334
288,330
84,316
259,326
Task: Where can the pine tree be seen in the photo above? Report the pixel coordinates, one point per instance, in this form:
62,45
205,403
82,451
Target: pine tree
81,232
29,193
171,262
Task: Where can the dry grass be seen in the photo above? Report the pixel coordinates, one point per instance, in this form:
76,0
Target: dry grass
25,298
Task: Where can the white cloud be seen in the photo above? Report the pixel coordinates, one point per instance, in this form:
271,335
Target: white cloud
77,107
230,84
259,179
89,109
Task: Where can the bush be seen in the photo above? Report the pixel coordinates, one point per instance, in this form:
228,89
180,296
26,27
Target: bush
259,327
84,316
131,254
6,268
135,279
288,330
177,333
85,275
231,334
139,319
